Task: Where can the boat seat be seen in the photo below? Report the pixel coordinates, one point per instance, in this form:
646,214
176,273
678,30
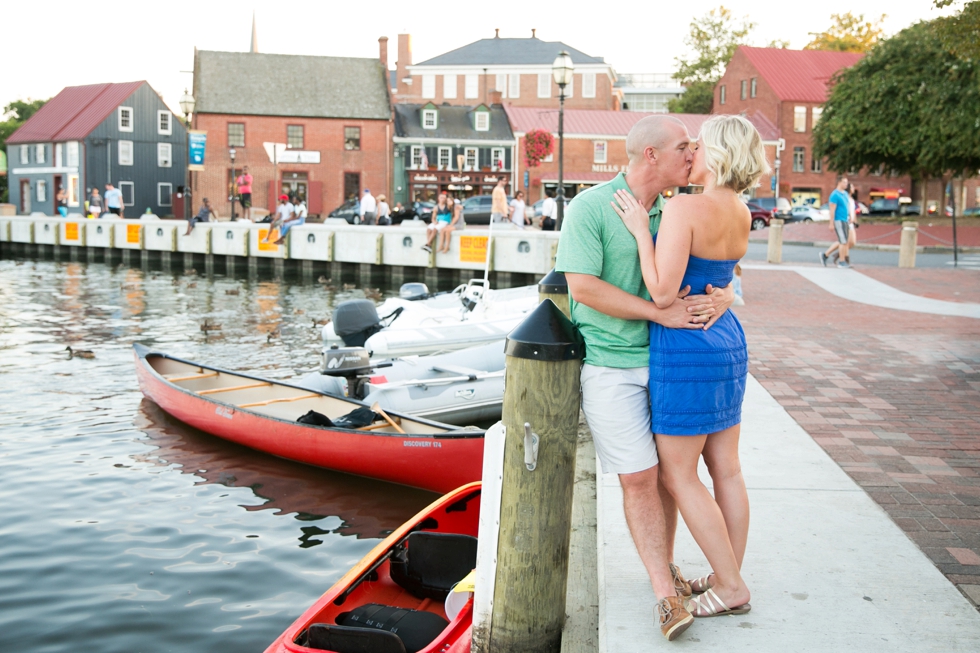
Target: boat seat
343,639
458,370
429,564
377,628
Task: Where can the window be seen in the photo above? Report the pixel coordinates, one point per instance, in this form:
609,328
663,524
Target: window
515,86
352,138
799,156
721,94
25,153
128,190
598,151
799,119
42,190
472,158
445,158
428,86
165,194
588,84
71,147
125,118
569,86
39,152
482,121
816,165
236,134
755,86
815,114
472,82
497,158
417,152
59,155
125,153
544,84
294,137
73,190
430,119
164,155
164,122
745,89
501,84
448,87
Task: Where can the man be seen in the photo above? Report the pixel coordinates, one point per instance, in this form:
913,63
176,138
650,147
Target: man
840,214
611,307
298,217
244,183
114,200
369,207
204,215
549,209
498,208
284,213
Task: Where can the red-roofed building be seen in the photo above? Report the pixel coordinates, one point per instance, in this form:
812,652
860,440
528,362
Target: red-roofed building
789,87
87,136
595,145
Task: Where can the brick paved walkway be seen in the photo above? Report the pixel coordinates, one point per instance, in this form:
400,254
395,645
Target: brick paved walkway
892,396
876,234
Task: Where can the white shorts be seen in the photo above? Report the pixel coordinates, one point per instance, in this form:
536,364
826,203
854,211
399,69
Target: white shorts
616,403
438,226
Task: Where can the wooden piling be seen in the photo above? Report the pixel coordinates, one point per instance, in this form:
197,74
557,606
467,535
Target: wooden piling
906,250
554,286
540,420
775,253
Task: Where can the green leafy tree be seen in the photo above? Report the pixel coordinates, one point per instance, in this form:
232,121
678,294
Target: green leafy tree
848,33
910,105
960,33
713,39
15,114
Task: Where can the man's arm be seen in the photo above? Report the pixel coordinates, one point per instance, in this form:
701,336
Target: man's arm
686,313
832,208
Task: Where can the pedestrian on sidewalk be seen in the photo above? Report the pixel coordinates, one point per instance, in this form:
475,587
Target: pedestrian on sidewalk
114,200
244,183
498,206
696,401
518,211
368,209
203,215
839,216
94,203
384,211
851,224
549,210
612,309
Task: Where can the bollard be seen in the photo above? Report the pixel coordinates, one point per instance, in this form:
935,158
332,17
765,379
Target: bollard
775,253
540,422
906,250
554,287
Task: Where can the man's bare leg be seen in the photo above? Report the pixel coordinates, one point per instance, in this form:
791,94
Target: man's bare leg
670,517
645,516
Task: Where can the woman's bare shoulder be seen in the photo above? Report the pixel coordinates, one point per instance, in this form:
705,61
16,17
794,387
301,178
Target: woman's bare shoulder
683,205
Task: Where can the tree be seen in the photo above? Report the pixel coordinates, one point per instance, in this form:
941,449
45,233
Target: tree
848,33
910,105
713,38
15,114
959,32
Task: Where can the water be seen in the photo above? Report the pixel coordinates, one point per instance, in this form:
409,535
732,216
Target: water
124,530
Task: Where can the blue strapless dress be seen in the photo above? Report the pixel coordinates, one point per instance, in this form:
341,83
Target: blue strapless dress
697,378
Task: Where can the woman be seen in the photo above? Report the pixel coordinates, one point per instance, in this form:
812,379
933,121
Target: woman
518,210
697,378
384,211
441,217
61,201
446,235
94,204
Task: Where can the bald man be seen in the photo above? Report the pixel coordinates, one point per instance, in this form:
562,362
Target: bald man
612,308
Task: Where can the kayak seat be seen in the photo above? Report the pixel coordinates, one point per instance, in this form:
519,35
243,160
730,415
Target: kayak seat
428,564
343,639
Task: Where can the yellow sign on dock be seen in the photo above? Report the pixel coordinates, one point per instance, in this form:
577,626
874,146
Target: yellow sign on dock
71,231
473,249
271,245
132,234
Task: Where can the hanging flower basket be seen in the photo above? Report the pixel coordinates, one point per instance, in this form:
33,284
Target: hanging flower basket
538,144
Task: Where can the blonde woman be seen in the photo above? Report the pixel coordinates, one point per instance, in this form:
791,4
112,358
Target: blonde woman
697,377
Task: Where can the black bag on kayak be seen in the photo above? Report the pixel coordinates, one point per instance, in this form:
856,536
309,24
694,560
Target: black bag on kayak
315,419
355,419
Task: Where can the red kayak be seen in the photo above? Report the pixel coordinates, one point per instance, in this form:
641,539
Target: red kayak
262,414
395,599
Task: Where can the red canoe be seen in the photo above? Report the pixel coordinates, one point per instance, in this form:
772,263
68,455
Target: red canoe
262,414
400,587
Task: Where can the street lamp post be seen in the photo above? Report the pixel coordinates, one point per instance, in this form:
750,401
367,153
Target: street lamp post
562,69
187,103
234,186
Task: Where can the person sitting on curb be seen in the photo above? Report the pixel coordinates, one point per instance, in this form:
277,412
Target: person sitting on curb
442,215
204,215
299,217
284,212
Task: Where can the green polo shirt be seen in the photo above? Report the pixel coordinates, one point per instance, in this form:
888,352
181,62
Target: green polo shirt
595,241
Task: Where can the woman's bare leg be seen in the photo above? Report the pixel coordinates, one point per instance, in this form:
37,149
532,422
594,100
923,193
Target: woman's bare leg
721,457
679,457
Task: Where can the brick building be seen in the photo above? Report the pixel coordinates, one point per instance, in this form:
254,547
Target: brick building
519,69
316,128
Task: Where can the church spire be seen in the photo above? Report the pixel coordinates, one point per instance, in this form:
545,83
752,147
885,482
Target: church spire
255,38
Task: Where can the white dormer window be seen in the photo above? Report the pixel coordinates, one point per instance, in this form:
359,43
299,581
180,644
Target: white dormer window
125,115
164,123
25,153
430,119
39,153
482,121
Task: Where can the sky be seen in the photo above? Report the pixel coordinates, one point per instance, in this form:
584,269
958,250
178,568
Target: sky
76,43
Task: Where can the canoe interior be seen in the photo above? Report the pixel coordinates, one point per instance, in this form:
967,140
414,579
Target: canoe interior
269,398
461,516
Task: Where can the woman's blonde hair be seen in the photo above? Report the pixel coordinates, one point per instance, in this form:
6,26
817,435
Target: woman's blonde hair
733,151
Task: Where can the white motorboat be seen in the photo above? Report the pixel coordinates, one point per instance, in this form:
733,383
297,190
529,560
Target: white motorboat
419,323
460,387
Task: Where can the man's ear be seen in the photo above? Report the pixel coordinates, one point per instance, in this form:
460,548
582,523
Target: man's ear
650,154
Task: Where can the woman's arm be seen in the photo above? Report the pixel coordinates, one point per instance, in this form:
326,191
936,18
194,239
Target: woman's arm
663,273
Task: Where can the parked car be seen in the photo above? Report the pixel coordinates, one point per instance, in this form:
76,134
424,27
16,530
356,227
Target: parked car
476,209
760,216
347,211
884,206
781,205
419,210
973,210
537,207
910,209
809,213
862,208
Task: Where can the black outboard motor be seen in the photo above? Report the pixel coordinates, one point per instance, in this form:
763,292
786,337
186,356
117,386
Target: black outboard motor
355,321
414,291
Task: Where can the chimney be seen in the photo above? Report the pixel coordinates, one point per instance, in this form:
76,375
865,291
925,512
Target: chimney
404,59
534,34
496,33
383,54
496,97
